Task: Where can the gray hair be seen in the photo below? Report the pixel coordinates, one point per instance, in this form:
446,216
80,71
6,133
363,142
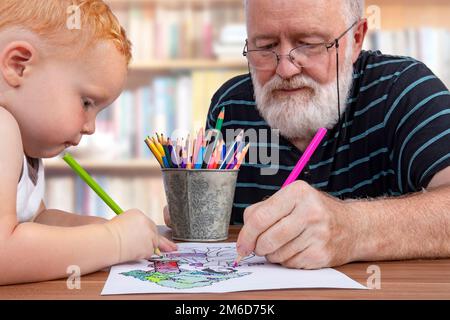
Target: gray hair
353,10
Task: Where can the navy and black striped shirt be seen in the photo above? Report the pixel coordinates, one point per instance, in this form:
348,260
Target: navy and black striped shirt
397,137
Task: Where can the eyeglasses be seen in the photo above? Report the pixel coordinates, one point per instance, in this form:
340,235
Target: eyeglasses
303,56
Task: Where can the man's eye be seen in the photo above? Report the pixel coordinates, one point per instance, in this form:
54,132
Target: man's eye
267,46
305,43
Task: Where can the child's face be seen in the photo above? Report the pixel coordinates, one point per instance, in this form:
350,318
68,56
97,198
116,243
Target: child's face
61,98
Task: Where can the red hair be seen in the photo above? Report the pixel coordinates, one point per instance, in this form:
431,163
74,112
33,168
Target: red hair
49,19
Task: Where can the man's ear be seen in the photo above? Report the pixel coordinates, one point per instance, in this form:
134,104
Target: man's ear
358,38
15,60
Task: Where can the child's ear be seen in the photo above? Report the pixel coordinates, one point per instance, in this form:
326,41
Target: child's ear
15,60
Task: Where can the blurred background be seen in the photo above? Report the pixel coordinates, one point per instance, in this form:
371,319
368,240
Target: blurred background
184,50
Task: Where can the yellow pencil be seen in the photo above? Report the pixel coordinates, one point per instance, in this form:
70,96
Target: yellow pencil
155,151
160,149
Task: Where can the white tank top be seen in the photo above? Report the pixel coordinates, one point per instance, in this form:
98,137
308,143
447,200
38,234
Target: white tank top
30,190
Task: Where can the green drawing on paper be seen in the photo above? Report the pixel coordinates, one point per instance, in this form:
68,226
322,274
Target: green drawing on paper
185,279
192,268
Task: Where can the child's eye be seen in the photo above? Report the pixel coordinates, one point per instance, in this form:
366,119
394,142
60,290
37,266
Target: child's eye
88,103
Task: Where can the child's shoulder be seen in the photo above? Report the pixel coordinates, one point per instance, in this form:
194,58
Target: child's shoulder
11,163
8,124
11,142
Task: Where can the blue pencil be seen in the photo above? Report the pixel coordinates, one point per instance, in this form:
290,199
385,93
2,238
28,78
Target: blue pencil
198,163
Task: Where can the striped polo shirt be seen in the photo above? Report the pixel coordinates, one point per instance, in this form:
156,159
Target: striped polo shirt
393,138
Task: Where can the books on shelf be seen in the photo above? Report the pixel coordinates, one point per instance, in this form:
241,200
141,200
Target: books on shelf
427,44
167,103
231,42
71,194
163,31
59,191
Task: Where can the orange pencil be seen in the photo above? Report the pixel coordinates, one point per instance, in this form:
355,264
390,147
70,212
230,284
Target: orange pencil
242,156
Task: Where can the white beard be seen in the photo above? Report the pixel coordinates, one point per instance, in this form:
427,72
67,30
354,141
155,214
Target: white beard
300,115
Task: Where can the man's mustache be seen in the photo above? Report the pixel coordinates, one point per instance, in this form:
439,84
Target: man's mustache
298,83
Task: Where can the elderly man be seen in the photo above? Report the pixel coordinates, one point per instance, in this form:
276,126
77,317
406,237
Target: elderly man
378,186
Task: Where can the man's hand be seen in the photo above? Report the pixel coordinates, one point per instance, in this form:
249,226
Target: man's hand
300,227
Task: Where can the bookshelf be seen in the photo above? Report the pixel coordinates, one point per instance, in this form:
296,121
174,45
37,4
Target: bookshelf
419,29
134,166
175,57
399,14
188,64
171,2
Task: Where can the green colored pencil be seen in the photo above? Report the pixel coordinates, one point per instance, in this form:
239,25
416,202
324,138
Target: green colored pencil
96,187
220,119
219,123
92,183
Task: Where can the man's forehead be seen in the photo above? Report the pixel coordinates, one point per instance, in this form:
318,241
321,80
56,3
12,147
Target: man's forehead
290,4
293,11
297,33
308,16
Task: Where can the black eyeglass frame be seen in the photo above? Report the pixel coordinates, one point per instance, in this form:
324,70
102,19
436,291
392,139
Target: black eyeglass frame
328,46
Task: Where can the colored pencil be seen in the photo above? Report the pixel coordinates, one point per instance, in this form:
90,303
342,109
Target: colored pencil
232,150
78,169
299,166
242,156
206,151
220,119
155,151
305,157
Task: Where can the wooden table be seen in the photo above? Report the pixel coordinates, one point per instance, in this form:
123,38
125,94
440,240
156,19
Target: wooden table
417,279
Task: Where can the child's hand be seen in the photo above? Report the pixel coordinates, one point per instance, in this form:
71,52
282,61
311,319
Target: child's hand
137,236
166,216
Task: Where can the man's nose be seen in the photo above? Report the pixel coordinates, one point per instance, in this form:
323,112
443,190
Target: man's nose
286,69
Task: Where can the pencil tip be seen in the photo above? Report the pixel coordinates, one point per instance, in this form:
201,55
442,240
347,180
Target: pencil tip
236,262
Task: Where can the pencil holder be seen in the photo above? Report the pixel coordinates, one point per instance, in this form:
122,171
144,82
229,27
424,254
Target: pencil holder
200,203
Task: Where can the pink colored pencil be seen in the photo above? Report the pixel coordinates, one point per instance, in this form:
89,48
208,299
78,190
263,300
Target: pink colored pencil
197,145
299,167
305,157
211,162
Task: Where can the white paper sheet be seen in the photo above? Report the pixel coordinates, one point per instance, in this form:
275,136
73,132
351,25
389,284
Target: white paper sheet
208,267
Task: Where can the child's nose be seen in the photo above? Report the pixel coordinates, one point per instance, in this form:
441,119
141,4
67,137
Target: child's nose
89,128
